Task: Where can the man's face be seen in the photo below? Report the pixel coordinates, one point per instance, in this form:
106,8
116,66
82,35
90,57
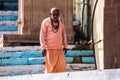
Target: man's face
55,15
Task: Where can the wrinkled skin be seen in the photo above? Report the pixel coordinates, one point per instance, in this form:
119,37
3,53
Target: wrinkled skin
55,15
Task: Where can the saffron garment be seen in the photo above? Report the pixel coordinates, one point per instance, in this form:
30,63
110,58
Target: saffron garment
53,42
55,61
50,39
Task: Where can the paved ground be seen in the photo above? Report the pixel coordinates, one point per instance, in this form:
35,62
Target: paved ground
39,69
110,74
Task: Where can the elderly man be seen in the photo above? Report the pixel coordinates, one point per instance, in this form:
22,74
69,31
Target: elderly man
53,42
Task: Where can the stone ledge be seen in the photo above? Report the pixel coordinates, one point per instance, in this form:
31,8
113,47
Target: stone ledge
18,40
109,74
25,48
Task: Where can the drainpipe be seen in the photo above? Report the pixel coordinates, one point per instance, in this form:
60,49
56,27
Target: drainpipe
92,23
86,15
88,19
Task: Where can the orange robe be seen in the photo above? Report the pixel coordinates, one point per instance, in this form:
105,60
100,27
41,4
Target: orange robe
53,43
55,61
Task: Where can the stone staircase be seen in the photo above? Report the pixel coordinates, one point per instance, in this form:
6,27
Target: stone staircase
8,17
28,59
21,60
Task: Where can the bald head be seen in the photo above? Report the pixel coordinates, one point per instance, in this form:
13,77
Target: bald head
54,9
54,13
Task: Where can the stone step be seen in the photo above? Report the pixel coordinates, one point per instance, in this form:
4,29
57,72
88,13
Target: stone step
22,61
79,53
32,58
27,61
88,60
33,69
8,0
108,74
7,32
8,28
25,48
20,49
8,23
8,18
32,54
39,60
8,13
13,8
10,4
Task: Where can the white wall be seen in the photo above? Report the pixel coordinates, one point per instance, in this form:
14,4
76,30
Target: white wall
80,75
98,33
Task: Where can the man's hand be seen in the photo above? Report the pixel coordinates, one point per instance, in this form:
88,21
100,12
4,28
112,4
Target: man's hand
65,50
44,52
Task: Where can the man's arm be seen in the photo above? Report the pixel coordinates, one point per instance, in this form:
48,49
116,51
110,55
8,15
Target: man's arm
64,38
42,38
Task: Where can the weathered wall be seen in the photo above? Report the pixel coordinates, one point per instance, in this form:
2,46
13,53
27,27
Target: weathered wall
33,12
106,34
112,34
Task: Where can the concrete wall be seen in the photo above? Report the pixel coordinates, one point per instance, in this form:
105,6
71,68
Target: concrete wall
31,14
80,75
106,34
112,34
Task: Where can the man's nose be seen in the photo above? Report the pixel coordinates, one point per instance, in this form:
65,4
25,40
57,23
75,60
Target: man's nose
55,17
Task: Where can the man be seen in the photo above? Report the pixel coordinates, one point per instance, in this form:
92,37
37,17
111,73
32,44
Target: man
53,42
